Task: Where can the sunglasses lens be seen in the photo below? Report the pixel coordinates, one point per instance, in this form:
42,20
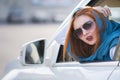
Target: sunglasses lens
87,25
78,32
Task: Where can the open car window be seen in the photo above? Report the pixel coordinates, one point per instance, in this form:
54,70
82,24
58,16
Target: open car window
114,6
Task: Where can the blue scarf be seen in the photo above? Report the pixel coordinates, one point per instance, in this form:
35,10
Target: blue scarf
109,38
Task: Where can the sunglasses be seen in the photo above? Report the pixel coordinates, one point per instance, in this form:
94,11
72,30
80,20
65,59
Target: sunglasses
86,26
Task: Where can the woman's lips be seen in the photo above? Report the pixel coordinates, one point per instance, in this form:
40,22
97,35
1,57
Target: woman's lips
89,38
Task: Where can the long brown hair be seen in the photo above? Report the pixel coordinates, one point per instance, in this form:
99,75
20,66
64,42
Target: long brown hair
77,46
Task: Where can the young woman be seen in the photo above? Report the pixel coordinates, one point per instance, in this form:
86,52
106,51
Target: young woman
61,33
91,36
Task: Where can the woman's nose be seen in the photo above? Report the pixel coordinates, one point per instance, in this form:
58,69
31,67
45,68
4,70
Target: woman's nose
85,32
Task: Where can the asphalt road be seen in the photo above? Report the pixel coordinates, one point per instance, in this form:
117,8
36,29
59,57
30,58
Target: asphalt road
12,37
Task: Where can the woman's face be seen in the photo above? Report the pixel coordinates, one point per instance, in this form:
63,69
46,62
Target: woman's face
86,30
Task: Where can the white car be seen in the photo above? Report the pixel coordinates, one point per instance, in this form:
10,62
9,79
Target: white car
42,59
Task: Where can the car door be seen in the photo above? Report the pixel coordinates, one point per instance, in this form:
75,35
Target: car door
70,70
94,70
87,71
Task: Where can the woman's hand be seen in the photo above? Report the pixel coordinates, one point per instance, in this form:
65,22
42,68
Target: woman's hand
104,10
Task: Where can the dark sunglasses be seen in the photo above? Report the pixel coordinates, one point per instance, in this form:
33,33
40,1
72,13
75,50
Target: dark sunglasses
86,26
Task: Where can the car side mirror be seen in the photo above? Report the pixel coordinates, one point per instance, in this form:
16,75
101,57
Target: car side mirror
33,52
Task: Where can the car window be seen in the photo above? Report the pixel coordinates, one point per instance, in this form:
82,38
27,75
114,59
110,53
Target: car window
68,58
115,11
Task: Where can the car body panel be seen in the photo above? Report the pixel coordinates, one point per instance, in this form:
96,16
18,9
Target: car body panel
64,71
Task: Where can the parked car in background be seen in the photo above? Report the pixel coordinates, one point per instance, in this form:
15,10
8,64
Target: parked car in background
15,15
41,17
41,59
51,11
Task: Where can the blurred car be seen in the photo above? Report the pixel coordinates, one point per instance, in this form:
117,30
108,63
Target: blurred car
58,17
15,15
40,17
42,60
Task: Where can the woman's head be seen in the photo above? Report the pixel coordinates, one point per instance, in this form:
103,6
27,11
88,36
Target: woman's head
83,34
85,29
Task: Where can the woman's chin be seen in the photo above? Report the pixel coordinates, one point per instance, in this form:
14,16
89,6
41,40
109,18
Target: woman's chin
91,43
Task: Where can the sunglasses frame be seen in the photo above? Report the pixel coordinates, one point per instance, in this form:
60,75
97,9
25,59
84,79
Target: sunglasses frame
86,26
